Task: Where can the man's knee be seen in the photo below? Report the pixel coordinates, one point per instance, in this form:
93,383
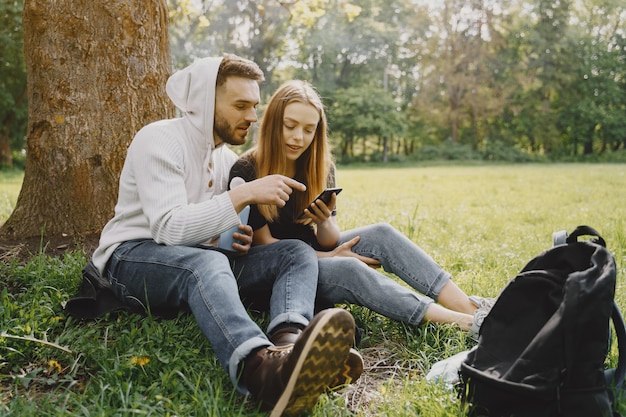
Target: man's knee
299,249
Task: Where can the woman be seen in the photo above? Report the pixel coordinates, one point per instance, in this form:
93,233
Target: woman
293,142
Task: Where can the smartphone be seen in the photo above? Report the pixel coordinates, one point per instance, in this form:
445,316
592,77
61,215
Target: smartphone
226,238
324,196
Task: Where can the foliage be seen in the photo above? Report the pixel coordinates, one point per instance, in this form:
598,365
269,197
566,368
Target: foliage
481,222
19,158
355,118
535,76
254,29
13,104
449,150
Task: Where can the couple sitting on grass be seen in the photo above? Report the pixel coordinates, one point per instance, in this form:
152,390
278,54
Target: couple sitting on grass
160,249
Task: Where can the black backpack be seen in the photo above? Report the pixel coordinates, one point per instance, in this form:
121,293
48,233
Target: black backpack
543,345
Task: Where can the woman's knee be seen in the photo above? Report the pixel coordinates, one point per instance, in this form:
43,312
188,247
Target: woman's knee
384,229
341,271
377,231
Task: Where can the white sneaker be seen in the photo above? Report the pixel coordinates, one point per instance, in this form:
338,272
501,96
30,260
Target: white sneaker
483,307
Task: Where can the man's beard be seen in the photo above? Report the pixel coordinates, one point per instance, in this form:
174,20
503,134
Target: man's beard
226,132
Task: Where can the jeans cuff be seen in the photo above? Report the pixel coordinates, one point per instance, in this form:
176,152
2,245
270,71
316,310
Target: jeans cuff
419,313
293,318
437,285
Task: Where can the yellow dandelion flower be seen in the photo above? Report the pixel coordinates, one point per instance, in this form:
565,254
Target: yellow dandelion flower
139,361
55,365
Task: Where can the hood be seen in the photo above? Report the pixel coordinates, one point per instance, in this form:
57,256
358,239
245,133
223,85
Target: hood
192,90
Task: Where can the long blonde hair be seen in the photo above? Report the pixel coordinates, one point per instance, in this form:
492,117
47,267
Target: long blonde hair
313,166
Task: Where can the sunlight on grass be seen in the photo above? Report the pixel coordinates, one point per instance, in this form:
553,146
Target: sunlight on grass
484,223
10,185
481,223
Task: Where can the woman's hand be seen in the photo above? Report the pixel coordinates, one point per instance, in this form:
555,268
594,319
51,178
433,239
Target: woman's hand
320,212
345,250
327,230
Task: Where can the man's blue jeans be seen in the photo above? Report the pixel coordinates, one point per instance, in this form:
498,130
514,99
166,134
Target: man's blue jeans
208,283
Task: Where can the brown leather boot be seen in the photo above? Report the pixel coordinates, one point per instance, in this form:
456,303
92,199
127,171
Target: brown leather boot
289,379
350,371
285,336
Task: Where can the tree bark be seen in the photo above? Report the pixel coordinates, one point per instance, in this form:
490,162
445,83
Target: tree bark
96,75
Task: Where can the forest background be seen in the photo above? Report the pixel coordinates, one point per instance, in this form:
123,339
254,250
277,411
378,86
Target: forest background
407,79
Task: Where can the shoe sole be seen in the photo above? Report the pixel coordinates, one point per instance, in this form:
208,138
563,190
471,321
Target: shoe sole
321,359
351,371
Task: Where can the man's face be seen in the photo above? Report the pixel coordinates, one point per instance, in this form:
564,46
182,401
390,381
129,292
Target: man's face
235,110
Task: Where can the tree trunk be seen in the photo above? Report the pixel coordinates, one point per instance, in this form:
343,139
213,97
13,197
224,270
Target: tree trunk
6,159
385,148
588,143
96,75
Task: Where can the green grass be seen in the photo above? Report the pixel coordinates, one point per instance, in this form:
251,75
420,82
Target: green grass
482,223
10,185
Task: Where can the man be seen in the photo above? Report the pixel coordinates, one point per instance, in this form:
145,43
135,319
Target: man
159,250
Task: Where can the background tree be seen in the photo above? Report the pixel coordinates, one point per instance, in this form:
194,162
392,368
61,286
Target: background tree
355,117
96,75
253,29
13,104
366,56
592,103
480,72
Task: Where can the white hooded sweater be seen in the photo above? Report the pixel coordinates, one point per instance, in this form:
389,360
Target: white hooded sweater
172,186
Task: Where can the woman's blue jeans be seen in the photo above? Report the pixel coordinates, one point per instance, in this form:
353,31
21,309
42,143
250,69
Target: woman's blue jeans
208,282
348,280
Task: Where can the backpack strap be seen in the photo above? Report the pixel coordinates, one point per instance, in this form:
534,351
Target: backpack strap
585,231
94,298
620,332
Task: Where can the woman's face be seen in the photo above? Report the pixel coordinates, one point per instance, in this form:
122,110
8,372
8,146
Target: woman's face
299,124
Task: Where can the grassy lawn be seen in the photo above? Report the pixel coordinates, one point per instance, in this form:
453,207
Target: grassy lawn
10,184
482,223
